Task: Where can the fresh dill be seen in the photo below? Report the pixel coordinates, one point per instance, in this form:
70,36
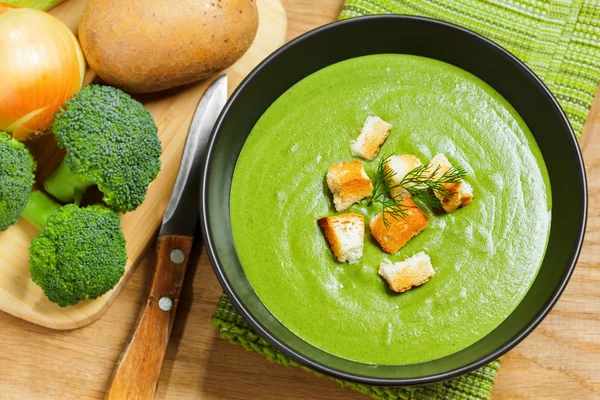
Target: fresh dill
382,193
422,183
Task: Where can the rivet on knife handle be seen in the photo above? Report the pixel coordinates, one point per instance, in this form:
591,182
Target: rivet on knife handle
138,371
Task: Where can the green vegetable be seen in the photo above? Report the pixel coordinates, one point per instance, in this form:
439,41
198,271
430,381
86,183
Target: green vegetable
37,4
421,182
16,179
111,141
39,208
80,253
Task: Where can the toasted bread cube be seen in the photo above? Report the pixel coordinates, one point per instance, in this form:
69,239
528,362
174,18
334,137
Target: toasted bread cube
372,135
346,236
408,273
399,230
349,184
461,194
400,166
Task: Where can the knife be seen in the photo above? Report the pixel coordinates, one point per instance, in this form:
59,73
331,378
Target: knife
137,372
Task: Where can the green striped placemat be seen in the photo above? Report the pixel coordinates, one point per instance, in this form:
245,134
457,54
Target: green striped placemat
560,41
476,385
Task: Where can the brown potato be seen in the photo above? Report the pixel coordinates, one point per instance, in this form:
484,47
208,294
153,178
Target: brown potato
147,46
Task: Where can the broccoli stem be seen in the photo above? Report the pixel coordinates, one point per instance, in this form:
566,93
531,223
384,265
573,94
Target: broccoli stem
38,209
65,185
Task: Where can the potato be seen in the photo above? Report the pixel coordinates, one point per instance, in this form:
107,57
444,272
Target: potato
147,46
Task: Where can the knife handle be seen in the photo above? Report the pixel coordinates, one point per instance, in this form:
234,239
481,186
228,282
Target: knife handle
137,373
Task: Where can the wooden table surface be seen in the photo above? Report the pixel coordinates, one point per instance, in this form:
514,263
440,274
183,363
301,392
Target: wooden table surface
561,359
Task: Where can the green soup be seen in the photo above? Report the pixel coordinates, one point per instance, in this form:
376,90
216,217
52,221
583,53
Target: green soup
486,255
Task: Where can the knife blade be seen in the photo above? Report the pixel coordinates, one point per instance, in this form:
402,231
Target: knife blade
182,212
137,373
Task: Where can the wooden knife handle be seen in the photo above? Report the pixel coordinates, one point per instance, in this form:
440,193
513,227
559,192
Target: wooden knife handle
138,370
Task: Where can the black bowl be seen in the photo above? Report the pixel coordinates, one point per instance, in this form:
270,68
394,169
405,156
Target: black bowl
429,38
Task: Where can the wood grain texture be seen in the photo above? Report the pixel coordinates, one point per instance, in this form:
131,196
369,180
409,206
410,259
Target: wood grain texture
172,111
560,360
137,372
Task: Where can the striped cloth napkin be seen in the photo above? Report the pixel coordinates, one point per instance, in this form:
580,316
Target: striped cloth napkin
476,385
560,41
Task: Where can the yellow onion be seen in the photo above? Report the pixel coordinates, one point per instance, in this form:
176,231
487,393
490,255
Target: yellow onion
41,67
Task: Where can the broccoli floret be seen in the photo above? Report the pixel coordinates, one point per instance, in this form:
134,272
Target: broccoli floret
111,141
80,253
16,179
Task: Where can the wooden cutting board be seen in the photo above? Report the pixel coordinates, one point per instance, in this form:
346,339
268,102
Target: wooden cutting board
172,111
559,360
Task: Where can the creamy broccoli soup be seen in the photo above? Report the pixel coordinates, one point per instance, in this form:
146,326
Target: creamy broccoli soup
485,255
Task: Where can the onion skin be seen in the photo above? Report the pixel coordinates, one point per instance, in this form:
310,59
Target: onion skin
42,67
37,4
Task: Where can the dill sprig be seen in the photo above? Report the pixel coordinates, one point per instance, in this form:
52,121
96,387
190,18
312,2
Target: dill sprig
382,193
421,182
382,185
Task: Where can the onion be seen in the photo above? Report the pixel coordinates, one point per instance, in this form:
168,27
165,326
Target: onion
41,67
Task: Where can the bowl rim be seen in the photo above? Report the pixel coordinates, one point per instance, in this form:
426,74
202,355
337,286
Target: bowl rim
333,372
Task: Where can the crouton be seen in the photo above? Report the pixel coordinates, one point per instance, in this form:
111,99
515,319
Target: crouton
399,230
346,236
372,135
349,184
461,194
399,166
408,273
